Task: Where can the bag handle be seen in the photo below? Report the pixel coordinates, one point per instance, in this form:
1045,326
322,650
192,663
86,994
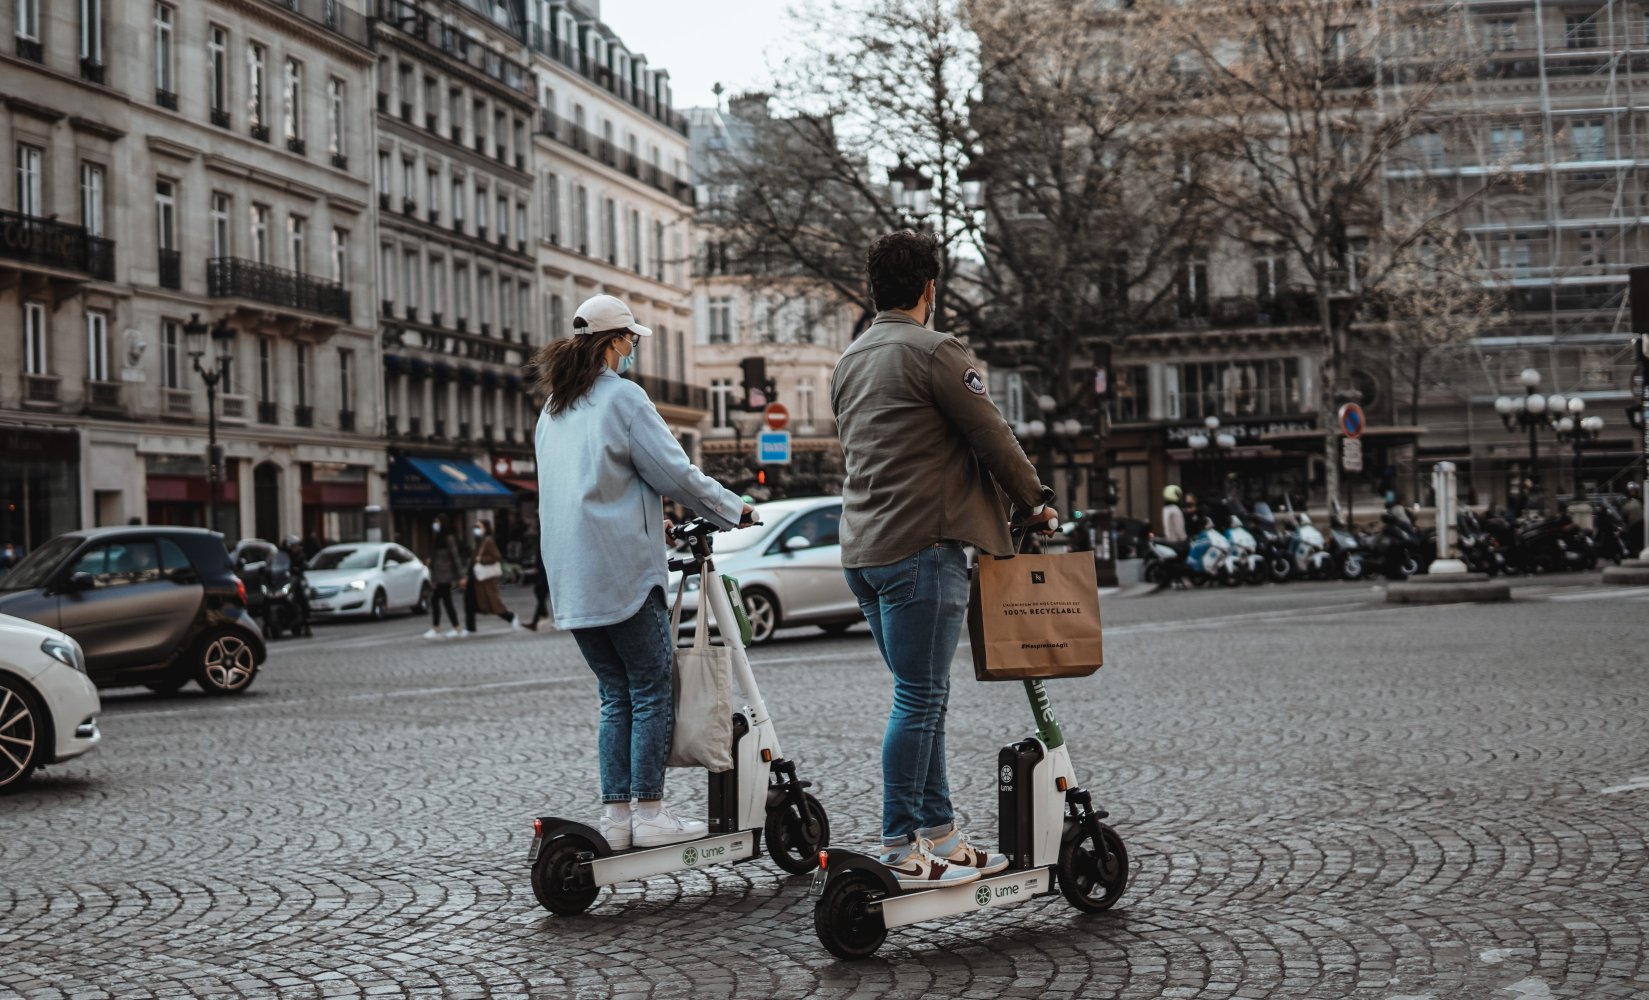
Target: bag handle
701,630
675,612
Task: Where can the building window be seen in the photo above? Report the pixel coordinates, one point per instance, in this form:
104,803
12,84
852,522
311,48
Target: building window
1502,32
1270,272
292,99
503,219
635,241
383,173
1587,138
340,257
217,68
804,401
1506,140
1580,31
1591,244
558,318
91,198
257,97
171,355
29,179
721,319
506,305
581,218
721,400
521,220
432,98
461,291
658,251
409,280
1251,387
457,202
1430,147
302,385
296,249
409,182
386,274
455,112
336,117
1193,289
97,346
1131,393
28,20
91,29
483,296
609,229
166,215
266,369
346,380
222,245
260,233
164,76
552,208
432,191
480,209
437,286
34,338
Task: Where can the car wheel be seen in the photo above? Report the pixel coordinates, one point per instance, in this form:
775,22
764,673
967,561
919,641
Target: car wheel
21,734
762,608
225,663
380,604
422,607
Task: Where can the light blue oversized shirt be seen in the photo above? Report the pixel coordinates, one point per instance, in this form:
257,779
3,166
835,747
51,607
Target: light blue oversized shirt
603,465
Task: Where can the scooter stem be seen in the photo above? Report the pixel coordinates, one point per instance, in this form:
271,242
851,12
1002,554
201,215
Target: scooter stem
1047,729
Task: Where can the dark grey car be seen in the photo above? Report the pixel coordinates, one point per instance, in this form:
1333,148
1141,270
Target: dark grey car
156,606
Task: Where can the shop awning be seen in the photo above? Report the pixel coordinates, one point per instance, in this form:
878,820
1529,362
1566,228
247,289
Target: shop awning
524,485
443,483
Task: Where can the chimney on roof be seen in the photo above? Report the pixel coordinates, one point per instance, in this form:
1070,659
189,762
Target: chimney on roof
751,106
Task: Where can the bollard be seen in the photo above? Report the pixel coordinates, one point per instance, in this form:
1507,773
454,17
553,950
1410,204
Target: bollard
1443,484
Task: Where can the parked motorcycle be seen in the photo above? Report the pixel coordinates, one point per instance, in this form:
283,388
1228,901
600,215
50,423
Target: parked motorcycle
1272,544
1248,564
1344,547
1307,553
1210,559
1398,549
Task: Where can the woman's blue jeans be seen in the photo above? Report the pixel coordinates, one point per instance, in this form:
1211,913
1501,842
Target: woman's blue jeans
631,661
916,608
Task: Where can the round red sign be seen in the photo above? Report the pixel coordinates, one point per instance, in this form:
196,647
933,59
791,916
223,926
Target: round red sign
778,416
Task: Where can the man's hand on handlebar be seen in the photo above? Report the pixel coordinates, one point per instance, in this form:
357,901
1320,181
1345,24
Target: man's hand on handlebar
1047,521
748,518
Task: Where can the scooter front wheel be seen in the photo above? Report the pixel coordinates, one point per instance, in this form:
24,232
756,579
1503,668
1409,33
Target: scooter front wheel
556,880
795,835
1093,871
843,919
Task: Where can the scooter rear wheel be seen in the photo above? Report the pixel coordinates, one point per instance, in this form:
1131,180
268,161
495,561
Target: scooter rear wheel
843,920
555,877
1093,873
794,836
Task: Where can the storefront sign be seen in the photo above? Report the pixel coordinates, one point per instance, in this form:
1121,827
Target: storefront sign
513,467
1246,433
62,446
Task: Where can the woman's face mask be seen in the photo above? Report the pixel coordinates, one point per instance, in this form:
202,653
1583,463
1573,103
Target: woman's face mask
479,532
628,361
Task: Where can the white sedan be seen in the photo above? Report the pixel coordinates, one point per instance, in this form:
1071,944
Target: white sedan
48,706
789,569
366,578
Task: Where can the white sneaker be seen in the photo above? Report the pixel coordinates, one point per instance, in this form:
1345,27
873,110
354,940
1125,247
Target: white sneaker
916,867
615,826
515,623
433,633
662,828
451,633
465,634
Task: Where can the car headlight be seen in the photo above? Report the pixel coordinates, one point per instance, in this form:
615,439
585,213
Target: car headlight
63,652
355,585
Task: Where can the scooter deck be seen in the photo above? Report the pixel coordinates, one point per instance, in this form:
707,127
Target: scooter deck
633,865
916,905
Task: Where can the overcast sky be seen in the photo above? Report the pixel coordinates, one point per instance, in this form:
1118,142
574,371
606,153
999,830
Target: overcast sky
702,42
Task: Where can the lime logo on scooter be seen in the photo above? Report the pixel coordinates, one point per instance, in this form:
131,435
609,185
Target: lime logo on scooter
1007,774
690,856
982,895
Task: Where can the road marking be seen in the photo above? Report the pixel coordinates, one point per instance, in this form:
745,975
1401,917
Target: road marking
1638,783
1615,593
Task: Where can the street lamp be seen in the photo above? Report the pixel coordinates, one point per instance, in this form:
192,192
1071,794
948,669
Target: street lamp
1212,446
1578,431
1531,412
213,372
911,190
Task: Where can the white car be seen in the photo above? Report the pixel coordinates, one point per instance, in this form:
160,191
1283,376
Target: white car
366,578
48,706
789,569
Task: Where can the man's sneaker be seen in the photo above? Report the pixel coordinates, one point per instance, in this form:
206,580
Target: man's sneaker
466,633
663,828
956,850
918,868
616,830
515,623
451,633
433,633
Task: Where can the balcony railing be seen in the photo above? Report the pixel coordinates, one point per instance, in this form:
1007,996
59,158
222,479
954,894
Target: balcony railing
55,244
42,390
232,409
91,71
171,268
329,14
346,420
454,43
672,393
221,118
104,398
267,413
166,99
569,134
232,277
579,62
30,49
177,404
303,416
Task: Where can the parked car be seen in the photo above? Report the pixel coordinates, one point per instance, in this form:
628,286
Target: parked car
149,605
367,578
48,706
789,569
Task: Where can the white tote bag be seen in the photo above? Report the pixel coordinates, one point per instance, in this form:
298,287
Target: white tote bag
703,734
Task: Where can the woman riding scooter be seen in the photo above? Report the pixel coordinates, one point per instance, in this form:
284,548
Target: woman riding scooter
605,456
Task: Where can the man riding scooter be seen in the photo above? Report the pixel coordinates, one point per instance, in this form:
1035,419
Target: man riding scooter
1173,535
928,457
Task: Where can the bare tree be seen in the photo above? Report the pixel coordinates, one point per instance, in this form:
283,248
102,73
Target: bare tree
1305,105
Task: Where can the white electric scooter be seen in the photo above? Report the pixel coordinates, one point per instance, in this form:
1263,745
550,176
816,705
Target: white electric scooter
759,795
1051,833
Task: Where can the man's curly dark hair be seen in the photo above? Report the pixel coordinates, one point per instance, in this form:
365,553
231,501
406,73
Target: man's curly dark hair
900,266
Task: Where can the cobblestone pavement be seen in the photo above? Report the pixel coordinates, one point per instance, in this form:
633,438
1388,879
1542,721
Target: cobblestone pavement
1324,796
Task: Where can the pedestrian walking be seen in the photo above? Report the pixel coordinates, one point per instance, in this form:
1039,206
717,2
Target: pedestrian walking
481,584
446,568
540,593
605,459
928,458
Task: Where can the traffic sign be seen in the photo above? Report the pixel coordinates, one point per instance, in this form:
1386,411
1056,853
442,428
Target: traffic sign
1351,455
1351,420
777,415
773,448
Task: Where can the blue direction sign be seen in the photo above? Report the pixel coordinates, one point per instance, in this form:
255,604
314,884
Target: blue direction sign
773,448
1351,420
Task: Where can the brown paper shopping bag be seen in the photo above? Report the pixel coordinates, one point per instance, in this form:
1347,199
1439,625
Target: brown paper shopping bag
1034,616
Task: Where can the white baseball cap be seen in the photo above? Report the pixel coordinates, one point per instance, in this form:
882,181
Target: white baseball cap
605,313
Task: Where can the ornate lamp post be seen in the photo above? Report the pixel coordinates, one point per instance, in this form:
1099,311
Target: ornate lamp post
912,189
212,373
1212,447
1578,433
1533,412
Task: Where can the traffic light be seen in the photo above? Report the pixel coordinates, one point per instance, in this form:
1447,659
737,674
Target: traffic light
756,387
761,477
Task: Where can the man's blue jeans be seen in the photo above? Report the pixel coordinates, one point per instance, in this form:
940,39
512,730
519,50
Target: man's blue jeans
631,661
916,608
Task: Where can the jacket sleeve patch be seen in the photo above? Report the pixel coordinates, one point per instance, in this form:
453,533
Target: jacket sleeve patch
975,384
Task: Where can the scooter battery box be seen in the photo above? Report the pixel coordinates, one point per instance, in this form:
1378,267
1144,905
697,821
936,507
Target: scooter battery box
1015,800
